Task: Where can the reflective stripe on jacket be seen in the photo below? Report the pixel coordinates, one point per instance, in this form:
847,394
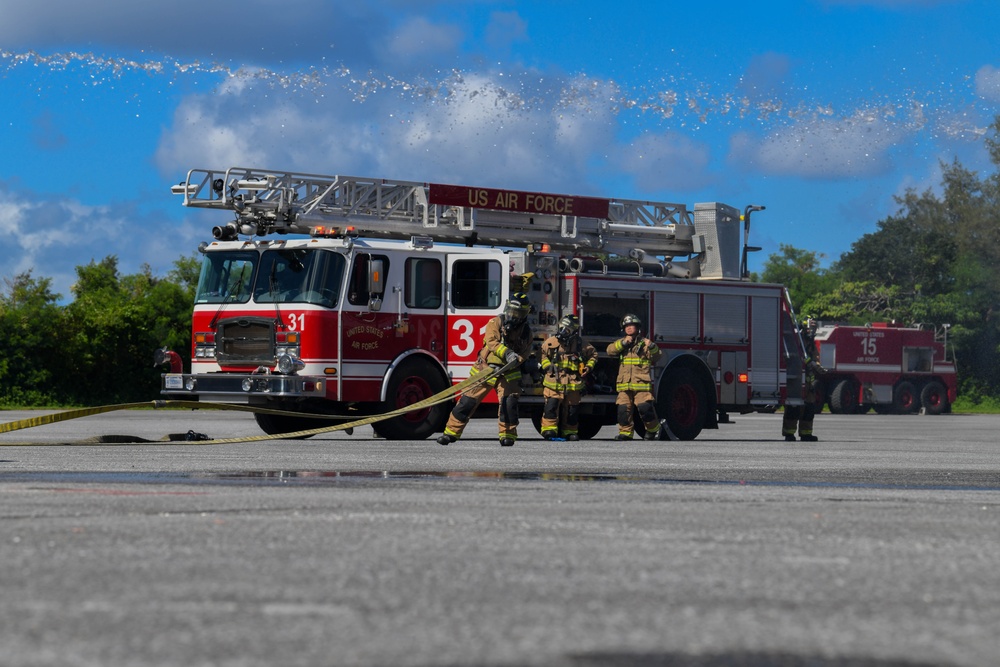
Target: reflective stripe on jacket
563,363
637,361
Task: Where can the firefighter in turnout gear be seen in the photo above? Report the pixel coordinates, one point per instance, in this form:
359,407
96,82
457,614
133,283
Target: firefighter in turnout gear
802,416
566,361
507,339
638,356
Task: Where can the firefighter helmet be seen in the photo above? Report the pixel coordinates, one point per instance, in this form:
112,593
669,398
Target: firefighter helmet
810,325
631,319
517,307
569,326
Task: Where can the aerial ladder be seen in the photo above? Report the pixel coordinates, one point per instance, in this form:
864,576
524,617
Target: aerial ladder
277,202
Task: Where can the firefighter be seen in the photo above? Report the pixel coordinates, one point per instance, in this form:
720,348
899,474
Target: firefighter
507,339
566,360
801,417
635,382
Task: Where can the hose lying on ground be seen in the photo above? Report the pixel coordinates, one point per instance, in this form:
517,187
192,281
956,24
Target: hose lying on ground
194,438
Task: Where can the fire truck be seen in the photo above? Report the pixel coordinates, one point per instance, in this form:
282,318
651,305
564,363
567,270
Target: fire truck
349,297
886,367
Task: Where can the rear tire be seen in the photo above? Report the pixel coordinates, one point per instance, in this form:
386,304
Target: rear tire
590,426
413,381
683,401
934,398
904,398
587,429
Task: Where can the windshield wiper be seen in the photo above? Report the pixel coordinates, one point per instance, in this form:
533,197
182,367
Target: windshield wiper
229,298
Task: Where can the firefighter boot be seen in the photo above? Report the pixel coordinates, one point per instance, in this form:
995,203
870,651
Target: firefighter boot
789,437
506,442
808,437
455,426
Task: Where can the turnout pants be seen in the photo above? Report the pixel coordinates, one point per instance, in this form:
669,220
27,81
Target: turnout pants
631,401
508,394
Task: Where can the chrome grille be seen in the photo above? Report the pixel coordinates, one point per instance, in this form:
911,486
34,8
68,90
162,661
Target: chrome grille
245,340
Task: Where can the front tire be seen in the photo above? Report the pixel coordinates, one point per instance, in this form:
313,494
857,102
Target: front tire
280,424
844,398
413,381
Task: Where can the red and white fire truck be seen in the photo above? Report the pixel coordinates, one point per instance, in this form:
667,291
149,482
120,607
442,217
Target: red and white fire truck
891,368
349,297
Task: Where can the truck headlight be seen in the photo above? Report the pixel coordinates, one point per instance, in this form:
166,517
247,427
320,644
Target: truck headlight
288,365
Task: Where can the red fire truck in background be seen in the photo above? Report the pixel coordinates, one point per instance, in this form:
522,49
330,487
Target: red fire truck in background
348,297
891,368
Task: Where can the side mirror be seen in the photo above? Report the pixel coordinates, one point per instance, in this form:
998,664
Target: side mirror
376,284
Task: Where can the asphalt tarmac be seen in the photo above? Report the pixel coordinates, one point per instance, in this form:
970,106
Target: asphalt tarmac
877,546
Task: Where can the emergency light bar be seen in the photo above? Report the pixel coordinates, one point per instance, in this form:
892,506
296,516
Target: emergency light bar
325,231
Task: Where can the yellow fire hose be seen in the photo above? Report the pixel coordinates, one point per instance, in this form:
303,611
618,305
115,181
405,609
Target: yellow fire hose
67,415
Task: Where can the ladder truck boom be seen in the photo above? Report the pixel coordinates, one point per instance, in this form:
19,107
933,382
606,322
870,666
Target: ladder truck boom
268,201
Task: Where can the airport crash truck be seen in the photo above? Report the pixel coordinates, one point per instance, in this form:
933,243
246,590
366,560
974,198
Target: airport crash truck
348,297
882,366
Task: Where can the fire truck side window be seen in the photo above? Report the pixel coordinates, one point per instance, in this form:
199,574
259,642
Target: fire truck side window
423,282
226,276
357,290
476,283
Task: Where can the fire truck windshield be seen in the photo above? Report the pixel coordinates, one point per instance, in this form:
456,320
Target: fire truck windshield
274,276
226,277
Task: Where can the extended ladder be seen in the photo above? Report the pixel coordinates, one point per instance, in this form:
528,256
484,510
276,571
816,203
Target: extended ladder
283,202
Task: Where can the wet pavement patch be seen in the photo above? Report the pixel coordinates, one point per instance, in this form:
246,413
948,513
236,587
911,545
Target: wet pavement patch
973,482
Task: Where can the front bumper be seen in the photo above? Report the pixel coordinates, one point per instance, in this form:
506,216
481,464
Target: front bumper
241,387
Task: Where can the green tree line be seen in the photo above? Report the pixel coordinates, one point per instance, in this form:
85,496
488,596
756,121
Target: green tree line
98,349
935,262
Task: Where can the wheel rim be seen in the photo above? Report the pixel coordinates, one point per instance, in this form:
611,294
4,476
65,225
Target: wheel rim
413,389
906,398
934,399
684,405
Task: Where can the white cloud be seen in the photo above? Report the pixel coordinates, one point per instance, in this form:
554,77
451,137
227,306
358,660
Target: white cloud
252,31
51,236
766,75
495,130
821,147
419,38
667,161
504,29
988,83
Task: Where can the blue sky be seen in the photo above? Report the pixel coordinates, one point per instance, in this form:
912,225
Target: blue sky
822,110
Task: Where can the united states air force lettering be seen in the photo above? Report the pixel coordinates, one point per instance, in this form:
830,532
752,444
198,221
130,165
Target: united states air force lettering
869,345
366,331
521,201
